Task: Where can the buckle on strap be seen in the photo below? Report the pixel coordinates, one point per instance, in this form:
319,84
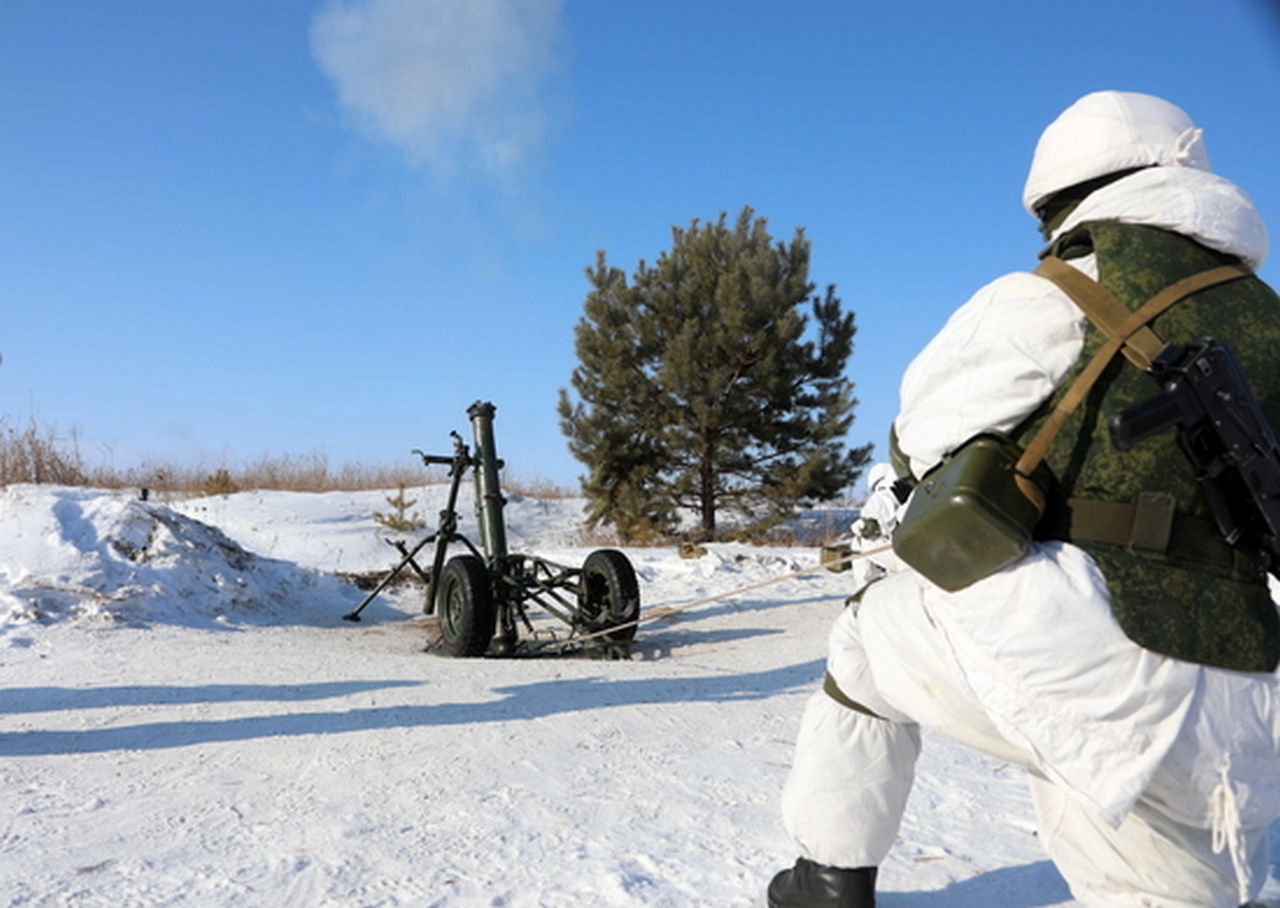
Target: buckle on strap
1152,523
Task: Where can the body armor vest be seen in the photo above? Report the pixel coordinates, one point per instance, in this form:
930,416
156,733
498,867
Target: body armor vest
1177,596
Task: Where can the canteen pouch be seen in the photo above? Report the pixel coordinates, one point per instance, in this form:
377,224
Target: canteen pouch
972,514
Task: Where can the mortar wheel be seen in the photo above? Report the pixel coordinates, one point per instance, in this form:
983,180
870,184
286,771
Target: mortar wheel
465,605
609,595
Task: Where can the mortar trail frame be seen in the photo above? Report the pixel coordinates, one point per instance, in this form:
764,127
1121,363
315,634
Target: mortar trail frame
669,611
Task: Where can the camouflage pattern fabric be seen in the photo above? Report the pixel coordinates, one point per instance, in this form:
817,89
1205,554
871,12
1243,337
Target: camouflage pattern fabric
1173,606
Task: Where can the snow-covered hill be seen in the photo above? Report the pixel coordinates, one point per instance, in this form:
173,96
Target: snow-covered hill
186,720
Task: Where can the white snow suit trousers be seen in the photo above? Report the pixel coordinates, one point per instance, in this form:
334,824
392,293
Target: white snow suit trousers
845,796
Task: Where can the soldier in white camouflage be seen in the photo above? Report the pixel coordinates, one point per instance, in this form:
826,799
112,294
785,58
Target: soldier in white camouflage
1128,658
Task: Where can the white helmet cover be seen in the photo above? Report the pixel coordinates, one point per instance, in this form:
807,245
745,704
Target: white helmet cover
1106,132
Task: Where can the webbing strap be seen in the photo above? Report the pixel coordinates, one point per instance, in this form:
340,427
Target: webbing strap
1102,308
832,690
1117,336
1152,526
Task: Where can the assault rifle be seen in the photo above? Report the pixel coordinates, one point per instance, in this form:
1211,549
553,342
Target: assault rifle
1224,434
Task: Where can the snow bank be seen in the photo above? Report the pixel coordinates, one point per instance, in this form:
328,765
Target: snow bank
88,556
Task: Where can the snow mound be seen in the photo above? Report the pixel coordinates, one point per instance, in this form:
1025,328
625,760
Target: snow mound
88,556
337,531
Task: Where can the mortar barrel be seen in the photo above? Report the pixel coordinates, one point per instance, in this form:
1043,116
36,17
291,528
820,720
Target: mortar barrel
489,500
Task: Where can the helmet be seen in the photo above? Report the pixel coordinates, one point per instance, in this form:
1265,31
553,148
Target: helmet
1106,132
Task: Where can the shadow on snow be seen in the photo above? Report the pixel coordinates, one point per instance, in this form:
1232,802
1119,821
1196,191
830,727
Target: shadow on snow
514,703
1028,886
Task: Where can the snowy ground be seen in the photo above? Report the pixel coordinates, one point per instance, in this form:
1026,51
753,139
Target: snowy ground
186,720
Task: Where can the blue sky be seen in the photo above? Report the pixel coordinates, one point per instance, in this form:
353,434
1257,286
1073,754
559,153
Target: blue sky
267,227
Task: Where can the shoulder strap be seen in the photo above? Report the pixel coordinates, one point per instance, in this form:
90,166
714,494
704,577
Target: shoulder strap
1102,308
1124,329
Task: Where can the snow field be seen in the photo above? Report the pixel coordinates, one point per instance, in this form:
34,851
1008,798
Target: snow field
186,720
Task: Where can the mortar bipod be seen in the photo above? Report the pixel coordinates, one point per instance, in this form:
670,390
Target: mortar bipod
446,530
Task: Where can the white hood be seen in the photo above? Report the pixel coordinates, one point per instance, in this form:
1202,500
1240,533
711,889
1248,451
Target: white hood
1196,203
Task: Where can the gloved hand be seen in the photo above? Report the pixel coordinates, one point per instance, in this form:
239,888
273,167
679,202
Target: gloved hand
875,526
879,515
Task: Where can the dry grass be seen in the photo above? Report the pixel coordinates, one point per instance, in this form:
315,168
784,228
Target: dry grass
538,487
34,454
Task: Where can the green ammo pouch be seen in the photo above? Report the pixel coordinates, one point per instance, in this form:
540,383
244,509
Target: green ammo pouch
972,514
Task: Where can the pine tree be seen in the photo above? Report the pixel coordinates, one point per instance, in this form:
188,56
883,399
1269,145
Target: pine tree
703,385
220,482
400,520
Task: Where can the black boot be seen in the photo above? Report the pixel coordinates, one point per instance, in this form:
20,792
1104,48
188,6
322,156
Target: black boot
810,885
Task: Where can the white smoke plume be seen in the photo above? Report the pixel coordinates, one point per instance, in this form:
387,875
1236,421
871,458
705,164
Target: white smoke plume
452,83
